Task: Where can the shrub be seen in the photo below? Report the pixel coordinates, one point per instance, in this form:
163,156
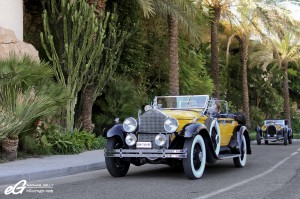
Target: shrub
296,124
120,99
27,92
54,140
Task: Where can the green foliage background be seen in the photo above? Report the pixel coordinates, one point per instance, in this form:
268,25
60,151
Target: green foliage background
143,72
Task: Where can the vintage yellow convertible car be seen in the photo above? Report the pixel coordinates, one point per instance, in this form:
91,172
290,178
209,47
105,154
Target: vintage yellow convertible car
187,131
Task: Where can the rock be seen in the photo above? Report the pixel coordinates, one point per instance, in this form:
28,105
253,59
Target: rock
19,49
9,45
7,36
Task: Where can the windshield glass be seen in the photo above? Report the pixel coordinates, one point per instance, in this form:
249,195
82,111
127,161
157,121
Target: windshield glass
181,102
279,122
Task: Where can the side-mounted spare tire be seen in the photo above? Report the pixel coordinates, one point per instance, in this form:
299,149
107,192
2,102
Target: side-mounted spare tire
214,129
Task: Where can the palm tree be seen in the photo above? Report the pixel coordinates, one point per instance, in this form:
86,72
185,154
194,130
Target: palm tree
243,40
176,11
280,50
179,11
242,29
27,93
251,14
216,8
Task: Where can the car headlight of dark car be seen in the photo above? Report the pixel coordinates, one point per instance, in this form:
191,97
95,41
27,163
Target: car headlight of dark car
171,125
129,125
160,139
278,127
130,139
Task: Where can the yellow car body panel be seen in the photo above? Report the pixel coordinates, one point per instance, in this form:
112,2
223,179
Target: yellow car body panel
227,126
185,116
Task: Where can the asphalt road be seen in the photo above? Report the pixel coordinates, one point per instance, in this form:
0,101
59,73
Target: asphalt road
272,172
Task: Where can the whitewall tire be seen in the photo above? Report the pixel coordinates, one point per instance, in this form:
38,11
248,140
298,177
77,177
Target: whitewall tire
242,159
194,164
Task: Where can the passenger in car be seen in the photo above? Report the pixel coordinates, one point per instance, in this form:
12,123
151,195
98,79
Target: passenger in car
217,110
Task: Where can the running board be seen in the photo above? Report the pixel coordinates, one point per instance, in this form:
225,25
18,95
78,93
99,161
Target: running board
226,156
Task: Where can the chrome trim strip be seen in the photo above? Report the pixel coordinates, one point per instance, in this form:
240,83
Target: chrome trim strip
274,139
222,157
146,153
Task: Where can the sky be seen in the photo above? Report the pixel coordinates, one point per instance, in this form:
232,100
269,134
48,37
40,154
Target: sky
295,10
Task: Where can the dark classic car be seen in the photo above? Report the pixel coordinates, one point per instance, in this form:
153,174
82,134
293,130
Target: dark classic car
274,130
184,131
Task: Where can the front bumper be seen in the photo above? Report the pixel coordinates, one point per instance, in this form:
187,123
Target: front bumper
274,138
146,153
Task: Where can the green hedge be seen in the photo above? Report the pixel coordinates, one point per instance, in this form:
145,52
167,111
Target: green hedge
53,140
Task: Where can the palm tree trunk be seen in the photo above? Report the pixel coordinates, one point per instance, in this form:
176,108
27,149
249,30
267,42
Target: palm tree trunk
244,60
215,51
100,4
173,56
87,108
87,95
10,148
287,111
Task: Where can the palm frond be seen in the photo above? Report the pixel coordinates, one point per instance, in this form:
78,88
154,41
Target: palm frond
188,6
228,46
22,72
8,123
262,57
147,7
27,92
184,15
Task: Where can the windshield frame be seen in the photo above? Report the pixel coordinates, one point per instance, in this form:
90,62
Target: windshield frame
155,104
276,122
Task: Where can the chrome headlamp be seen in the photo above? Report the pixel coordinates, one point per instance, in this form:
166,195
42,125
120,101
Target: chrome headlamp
278,127
160,139
171,125
264,127
129,125
130,139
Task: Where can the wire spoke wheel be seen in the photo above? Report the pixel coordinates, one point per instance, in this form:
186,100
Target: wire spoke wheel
194,164
241,160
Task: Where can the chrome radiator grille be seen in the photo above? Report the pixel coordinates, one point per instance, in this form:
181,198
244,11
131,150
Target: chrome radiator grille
152,122
272,130
149,137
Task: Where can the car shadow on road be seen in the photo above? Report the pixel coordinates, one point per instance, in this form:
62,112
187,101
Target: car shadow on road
178,173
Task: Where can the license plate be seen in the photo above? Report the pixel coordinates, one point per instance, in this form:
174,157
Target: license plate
145,145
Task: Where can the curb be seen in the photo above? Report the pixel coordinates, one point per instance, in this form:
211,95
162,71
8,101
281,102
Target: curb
41,175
